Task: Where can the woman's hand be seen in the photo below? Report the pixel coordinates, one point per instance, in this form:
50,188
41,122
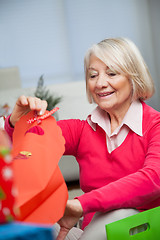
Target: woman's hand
71,216
24,105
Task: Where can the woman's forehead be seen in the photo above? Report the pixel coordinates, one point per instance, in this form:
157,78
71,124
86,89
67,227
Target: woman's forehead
94,61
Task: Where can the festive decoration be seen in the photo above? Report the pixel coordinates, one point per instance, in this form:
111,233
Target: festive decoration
44,94
5,110
7,191
40,118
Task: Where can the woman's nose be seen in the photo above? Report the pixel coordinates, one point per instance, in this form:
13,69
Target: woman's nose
102,81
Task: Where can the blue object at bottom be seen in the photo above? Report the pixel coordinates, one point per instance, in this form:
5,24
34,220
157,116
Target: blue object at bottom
21,231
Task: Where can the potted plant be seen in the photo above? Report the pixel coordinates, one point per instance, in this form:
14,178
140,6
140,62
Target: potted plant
44,94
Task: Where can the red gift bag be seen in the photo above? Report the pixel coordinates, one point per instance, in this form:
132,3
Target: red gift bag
7,190
37,149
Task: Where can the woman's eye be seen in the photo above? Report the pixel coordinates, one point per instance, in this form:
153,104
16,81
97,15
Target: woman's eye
92,76
111,74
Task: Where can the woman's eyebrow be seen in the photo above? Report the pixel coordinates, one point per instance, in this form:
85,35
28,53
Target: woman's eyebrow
92,68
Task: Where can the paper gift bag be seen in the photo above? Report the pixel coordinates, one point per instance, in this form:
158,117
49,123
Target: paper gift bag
7,190
37,149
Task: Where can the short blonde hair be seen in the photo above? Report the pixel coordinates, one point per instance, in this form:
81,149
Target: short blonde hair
122,55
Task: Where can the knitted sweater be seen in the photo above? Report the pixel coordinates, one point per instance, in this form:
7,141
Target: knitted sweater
128,177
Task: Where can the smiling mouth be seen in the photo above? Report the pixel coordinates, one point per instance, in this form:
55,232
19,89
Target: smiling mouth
105,94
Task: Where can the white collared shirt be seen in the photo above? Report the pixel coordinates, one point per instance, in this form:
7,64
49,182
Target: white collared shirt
132,120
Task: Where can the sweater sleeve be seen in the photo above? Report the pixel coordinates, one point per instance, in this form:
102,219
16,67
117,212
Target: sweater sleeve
71,130
9,129
139,190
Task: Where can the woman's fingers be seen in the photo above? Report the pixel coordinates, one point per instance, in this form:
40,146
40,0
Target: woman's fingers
43,107
22,100
62,233
24,105
37,104
33,103
73,212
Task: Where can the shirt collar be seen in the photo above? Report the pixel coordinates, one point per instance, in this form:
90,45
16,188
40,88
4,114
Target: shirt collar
132,119
98,116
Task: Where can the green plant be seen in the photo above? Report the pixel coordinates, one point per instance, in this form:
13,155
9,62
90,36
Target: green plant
44,94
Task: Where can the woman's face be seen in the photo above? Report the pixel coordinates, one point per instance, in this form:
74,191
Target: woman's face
111,91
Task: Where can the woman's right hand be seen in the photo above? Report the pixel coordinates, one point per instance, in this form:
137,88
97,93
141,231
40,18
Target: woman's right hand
73,212
24,105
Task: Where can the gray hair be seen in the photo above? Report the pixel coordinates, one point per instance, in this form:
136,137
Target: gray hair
122,55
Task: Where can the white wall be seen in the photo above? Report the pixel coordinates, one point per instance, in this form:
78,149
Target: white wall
33,37
51,37
154,15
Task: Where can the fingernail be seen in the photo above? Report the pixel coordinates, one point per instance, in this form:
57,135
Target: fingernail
40,112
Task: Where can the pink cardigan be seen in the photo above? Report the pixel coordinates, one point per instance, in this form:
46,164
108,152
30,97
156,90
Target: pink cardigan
128,177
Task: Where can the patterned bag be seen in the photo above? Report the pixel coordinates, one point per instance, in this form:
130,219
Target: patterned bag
7,190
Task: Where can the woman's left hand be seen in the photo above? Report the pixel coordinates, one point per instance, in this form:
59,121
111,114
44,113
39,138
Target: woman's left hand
71,216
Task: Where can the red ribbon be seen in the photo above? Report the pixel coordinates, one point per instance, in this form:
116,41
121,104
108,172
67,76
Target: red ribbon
40,118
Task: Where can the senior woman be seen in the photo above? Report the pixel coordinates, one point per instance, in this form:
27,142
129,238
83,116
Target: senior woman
117,147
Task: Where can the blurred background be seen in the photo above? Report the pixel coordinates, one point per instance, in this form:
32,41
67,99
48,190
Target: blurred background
50,37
